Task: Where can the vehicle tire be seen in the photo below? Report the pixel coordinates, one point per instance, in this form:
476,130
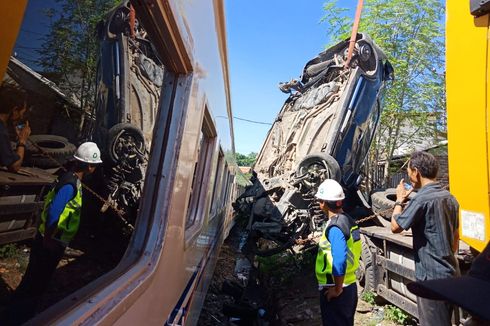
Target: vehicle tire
383,201
55,150
120,133
365,272
320,158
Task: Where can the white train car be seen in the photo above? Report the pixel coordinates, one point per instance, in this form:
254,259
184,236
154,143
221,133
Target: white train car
185,211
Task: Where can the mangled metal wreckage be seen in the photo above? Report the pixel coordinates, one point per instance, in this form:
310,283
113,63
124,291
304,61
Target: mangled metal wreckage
324,130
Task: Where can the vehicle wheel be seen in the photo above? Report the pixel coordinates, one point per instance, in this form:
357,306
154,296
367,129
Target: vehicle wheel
123,140
55,150
365,272
367,59
383,201
314,162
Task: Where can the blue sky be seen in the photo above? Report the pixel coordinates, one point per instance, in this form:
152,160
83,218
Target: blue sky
269,41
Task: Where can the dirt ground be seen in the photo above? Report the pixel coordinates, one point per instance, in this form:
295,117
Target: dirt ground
292,292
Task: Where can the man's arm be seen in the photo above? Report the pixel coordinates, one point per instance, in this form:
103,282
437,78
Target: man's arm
14,167
455,241
339,254
401,197
395,227
23,135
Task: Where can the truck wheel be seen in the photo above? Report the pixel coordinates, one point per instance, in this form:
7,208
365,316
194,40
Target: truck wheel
319,160
55,150
124,138
365,272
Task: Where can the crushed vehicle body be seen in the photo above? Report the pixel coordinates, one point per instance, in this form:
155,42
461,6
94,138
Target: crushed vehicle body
324,130
129,80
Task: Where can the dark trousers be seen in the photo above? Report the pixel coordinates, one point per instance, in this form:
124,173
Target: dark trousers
339,311
42,265
434,312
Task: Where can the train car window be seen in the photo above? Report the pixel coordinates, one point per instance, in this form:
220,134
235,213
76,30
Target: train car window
229,178
83,72
224,180
215,205
200,179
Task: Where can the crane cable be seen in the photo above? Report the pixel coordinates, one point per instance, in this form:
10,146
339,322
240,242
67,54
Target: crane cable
353,36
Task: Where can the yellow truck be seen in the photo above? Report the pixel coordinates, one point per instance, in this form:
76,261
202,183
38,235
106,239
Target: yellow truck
467,72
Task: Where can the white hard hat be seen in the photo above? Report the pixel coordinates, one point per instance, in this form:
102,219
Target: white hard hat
330,190
88,152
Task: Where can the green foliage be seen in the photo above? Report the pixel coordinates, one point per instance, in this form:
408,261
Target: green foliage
242,179
396,315
274,263
338,22
246,160
8,251
369,297
70,50
411,34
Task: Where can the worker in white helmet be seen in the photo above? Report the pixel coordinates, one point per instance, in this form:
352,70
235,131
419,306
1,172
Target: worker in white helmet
338,256
60,219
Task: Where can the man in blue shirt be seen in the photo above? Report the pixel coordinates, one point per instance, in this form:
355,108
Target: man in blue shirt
338,257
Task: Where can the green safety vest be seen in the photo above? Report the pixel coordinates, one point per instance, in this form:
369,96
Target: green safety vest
324,259
69,219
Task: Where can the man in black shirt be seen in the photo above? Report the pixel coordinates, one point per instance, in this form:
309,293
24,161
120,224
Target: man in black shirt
12,110
433,217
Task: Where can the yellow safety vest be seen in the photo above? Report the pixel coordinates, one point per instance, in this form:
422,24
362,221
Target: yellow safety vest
69,220
324,259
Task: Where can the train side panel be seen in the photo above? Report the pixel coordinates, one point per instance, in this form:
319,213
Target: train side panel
186,206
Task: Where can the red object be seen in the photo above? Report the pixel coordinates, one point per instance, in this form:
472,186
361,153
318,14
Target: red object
132,20
353,36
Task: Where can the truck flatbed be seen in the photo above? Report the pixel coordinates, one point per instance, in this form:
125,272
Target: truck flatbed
21,200
384,233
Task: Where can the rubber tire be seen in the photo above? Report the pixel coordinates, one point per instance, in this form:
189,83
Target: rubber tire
383,201
366,263
381,204
332,164
60,153
114,134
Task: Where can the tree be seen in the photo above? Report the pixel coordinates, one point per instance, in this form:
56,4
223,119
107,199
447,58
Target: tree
411,35
246,160
70,49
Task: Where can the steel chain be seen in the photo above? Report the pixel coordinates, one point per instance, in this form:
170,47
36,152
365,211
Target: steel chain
105,202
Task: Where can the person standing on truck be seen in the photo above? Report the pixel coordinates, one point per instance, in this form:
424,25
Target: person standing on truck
433,217
338,256
60,219
12,110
